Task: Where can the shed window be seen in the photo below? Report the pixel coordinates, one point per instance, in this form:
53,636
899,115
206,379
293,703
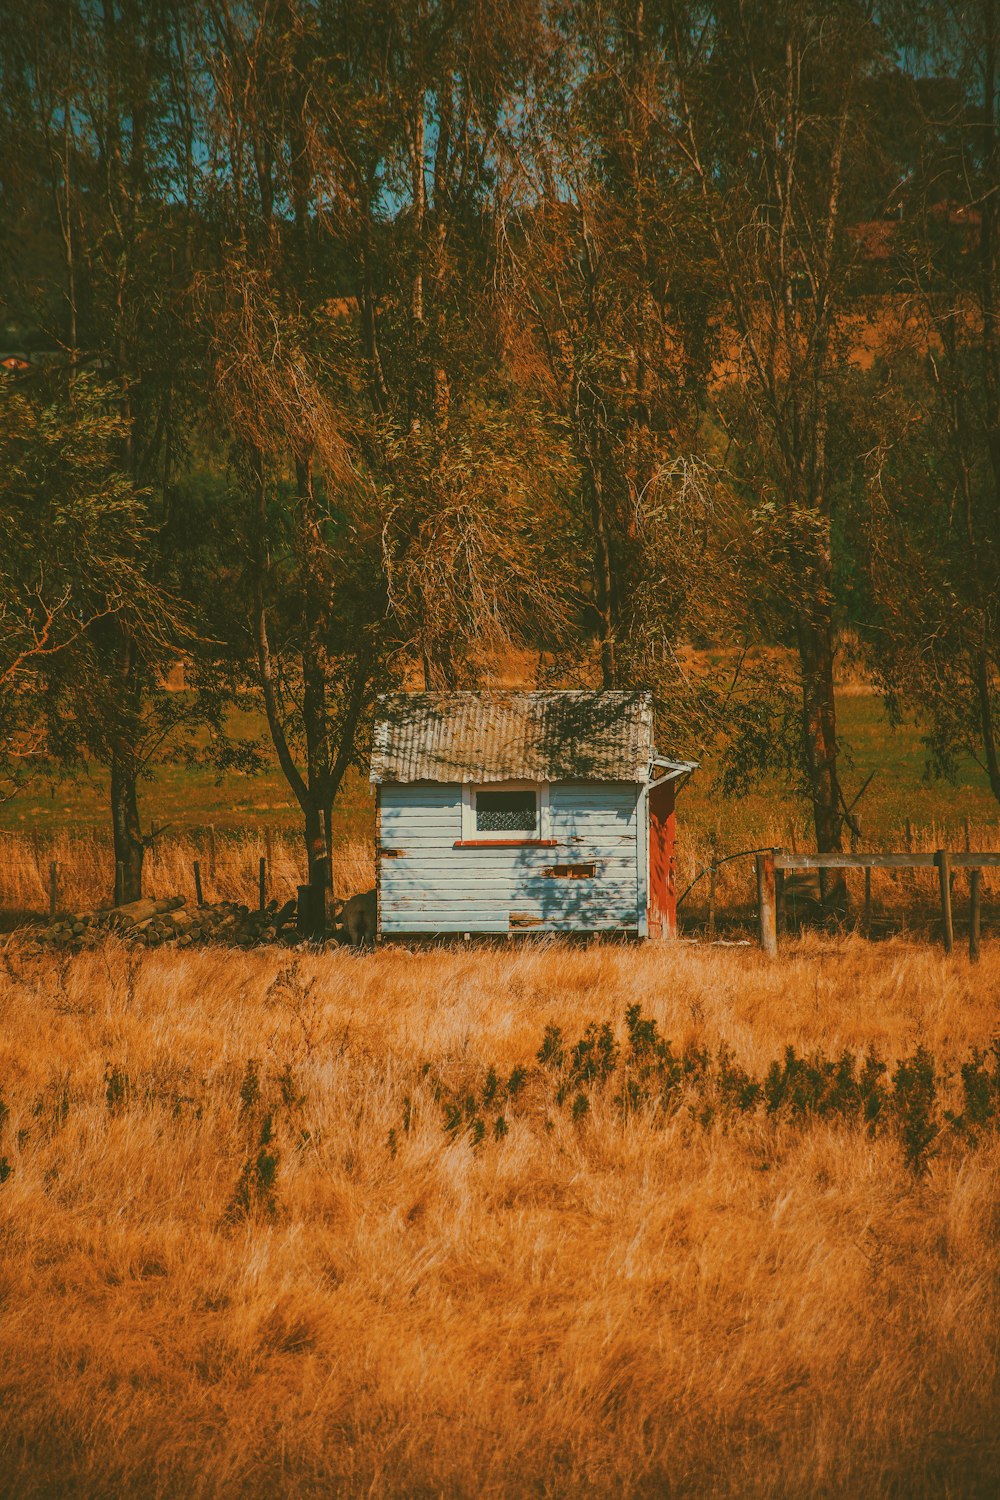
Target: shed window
506,812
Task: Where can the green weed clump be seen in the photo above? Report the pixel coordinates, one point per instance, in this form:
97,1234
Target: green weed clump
5,1167
644,1076
980,1091
256,1190
265,1111
468,1110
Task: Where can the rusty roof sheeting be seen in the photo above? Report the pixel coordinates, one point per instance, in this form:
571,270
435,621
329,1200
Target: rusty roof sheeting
507,736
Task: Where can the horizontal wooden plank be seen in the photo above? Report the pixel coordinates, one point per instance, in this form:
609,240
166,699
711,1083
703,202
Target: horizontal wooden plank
879,861
571,793
428,798
424,818
504,844
582,825
487,893
446,817
413,865
550,893
448,923
591,819
465,912
517,857
436,817
421,826
562,794
462,871
851,861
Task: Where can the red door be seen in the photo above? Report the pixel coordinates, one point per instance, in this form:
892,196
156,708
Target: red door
662,909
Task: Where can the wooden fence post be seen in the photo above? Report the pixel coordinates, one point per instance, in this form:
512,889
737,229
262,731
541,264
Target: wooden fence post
197,883
943,861
975,878
262,882
53,887
711,904
766,903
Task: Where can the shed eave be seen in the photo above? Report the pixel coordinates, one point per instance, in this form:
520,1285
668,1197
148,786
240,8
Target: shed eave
679,771
486,778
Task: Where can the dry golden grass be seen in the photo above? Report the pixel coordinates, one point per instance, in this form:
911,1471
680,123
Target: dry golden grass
86,868
753,1307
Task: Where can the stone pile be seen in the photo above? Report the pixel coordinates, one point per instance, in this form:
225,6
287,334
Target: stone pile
151,923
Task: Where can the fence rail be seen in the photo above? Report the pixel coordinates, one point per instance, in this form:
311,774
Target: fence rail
875,861
772,865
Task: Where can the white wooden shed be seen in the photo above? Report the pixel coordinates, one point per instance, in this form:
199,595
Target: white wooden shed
508,811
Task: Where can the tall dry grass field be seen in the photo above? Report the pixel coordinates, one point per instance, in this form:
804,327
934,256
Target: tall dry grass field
229,868
262,1233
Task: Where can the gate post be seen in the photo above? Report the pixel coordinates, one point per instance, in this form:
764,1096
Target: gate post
943,861
766,907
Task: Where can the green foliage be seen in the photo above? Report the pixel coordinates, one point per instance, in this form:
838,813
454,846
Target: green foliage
981,1088
250,1086
914,1094
290,1096
5,1167
490,1088
644,1078
118,1089
256,1190
821,1086
516,1082
737,1088
550,1053
74,534
268,1104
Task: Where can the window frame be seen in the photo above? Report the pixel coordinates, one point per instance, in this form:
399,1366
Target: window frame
472,834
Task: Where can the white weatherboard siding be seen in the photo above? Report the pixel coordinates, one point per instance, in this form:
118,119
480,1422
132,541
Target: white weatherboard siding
427,885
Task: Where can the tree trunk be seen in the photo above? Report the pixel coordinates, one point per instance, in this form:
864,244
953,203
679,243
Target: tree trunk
316,849
314,705
129,847
985,699
417,390
819,729
602,574
315,720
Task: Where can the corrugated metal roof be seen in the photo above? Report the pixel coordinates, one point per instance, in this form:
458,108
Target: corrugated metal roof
504,736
